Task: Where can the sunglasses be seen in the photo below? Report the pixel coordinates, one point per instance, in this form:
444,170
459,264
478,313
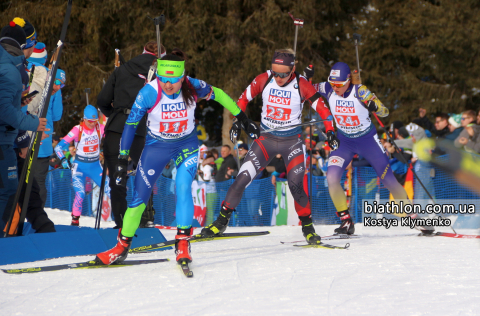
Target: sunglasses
338,85
91,121
172,80
281,74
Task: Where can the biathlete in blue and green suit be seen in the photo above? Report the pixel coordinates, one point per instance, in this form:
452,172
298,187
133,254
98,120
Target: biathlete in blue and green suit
170,102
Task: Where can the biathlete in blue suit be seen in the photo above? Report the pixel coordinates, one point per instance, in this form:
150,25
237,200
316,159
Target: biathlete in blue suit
170,102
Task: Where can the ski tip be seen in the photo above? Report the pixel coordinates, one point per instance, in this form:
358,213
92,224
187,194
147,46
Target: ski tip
347,245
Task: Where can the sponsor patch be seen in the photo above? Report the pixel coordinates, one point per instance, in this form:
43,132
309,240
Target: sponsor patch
151,172
174,110
280,97
335,73
336,161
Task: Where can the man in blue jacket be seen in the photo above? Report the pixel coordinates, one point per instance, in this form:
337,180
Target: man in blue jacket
13,80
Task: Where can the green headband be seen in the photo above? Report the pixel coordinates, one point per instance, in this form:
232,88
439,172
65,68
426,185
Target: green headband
170,68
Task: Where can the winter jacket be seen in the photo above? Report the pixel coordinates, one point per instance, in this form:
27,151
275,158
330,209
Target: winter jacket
54,114
473,144
121,90
12,118
228,163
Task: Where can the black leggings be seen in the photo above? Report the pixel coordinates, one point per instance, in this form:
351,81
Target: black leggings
263,150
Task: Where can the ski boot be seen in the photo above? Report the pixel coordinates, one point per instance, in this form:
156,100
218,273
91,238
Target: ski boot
182,245
75,220
220,224
425,230
118,253
309,231
346,227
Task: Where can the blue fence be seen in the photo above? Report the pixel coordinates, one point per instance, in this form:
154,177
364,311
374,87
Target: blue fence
257,204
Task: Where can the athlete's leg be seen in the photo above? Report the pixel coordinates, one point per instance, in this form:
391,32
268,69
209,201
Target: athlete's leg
337,163
95,172
186,161
152,161
292,150
78,180
372,150
261,152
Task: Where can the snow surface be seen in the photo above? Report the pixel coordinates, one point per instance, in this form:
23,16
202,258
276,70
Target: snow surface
387,272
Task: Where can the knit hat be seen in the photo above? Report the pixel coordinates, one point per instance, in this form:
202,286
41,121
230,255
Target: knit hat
39,54
29,32
14,32
243,145
339,72
90,113
416,131
455,120
402,131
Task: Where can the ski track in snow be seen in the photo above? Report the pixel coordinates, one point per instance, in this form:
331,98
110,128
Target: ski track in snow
380,274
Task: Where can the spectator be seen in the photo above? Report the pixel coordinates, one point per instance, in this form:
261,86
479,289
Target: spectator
455,127
468,118
242,152
218,159
207,169
469,139
441,128
422,169
12,80
228,167
396,127
478,118
280,171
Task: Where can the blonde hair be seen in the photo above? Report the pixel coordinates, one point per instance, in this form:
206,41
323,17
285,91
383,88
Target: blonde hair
285,50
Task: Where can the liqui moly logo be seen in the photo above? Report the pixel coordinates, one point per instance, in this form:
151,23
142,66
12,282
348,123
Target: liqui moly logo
344,106
174,110
280,97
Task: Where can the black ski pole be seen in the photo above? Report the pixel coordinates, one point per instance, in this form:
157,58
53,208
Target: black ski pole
26,177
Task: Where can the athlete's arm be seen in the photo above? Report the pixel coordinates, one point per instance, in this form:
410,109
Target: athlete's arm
255,88
145,100
208,92
310,94
63,144
365,95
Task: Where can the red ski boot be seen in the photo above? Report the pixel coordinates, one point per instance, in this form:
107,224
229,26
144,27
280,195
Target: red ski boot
75,220
118,253
182,245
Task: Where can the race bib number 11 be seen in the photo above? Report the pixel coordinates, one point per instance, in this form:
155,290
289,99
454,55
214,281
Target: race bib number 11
173,127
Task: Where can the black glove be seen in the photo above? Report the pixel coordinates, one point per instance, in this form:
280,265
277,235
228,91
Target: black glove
308,72
372,106
333,141
120,174
66,163
235,131
248,126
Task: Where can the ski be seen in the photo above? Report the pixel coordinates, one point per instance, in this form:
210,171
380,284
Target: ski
81,265
198,238
322,245
186,269
330,237
452,235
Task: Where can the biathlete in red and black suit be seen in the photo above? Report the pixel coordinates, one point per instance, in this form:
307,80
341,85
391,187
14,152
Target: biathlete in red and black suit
283,92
